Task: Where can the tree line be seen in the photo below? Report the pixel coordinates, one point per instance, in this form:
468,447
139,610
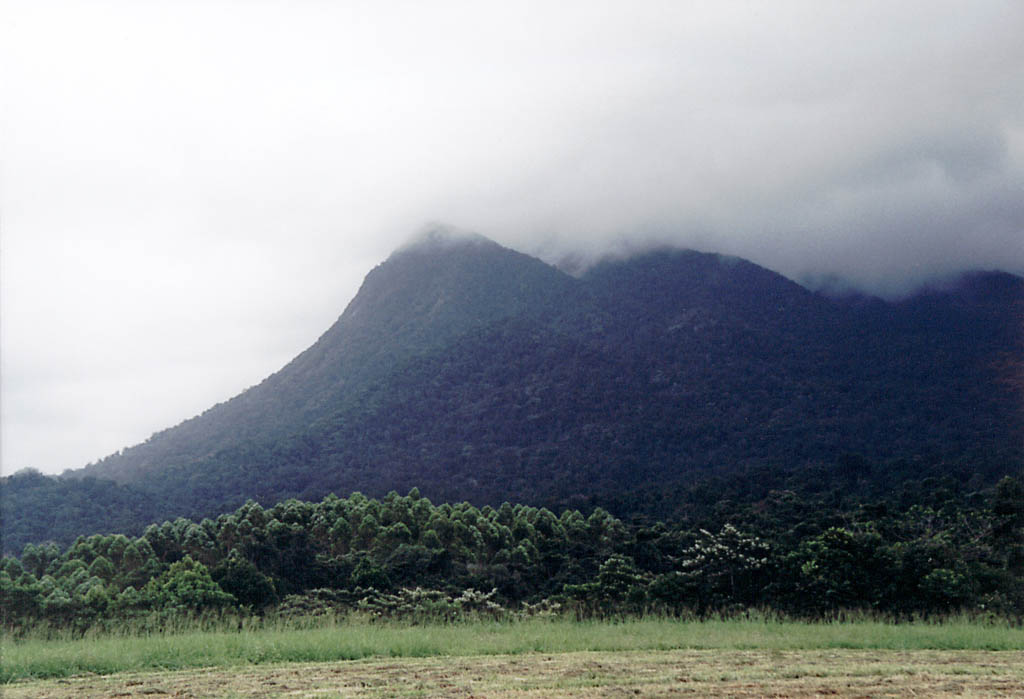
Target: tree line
404,552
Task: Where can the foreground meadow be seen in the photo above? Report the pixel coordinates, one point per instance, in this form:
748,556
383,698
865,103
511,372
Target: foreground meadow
733,673
534,657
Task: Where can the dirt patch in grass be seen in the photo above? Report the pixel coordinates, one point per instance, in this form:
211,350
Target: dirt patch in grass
840,673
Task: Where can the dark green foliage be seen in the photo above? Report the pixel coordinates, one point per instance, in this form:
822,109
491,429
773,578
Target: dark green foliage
1008,527
36,508
186,588
243,581
369,574
403,556
838,569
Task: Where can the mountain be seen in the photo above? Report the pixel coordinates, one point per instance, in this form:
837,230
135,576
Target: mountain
474,372
433,290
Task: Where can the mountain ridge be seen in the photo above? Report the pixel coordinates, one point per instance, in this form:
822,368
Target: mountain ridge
396,316
475,372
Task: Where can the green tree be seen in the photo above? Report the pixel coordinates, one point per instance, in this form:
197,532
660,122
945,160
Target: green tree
1008,523
102,568
187,588
840,569
368,574
241,579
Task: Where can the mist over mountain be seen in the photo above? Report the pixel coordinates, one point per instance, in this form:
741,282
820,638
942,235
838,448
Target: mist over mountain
475,372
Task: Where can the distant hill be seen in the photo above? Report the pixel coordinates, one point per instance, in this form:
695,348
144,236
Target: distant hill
474,372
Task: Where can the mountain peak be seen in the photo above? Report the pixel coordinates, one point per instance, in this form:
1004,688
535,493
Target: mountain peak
473,371
439,236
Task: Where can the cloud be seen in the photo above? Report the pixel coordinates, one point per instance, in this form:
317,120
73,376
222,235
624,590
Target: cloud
879,156
192,191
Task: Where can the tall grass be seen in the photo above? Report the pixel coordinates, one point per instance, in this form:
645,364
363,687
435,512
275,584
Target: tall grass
349,639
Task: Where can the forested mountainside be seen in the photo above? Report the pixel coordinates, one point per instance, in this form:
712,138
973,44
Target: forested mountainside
646,386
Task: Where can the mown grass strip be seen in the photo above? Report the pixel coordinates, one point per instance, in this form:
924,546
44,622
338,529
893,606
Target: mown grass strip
731,673
34,658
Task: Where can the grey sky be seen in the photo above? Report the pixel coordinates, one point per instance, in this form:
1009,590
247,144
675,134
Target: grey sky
191,192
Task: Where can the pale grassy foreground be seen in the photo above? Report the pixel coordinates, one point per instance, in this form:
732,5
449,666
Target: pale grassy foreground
734,673
538,657
23,659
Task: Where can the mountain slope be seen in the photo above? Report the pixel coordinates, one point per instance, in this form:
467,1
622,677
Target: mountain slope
674,387
426,293
475,372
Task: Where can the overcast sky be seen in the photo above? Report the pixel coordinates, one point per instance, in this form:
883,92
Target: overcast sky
191,192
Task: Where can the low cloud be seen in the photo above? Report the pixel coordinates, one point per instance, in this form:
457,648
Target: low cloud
184,182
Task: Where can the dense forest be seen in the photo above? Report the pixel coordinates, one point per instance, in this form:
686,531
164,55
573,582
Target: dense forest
653,386
940,550
66,508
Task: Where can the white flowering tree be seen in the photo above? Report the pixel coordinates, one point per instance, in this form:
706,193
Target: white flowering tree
725,569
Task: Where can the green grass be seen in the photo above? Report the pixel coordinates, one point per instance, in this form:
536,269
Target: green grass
333,641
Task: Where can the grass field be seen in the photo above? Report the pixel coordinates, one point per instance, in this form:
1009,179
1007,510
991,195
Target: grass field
734,673
346,641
